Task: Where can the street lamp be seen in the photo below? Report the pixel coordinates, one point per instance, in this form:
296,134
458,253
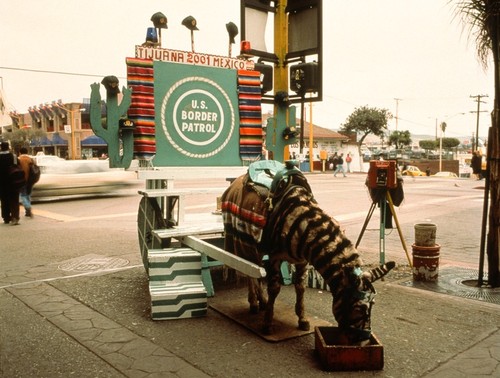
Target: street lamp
442,126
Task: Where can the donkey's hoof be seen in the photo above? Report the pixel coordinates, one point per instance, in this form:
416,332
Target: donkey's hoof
267,330
304,325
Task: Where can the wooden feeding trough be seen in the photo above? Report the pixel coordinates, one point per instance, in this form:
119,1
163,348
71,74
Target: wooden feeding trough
336,356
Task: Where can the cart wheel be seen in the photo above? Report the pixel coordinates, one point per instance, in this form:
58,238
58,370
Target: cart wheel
149,218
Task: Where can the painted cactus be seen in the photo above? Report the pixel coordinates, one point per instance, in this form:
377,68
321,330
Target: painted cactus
120,137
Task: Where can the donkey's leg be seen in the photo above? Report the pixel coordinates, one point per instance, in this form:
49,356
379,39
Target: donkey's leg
254,294
261,294
300,287
273,289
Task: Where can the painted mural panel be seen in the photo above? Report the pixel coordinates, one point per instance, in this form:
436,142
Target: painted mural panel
196,117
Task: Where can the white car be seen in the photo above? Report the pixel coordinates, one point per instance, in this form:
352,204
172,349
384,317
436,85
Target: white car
56,165
79,177
445,174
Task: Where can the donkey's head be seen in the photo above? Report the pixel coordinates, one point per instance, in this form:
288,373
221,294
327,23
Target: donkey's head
353,300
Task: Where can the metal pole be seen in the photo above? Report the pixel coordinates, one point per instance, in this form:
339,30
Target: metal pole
383,209
478,100
397,111
311,142
485,210
280,68
301,141
73,144
441,151
477,123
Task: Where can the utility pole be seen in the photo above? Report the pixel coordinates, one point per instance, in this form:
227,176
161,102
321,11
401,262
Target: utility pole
397,111
475,144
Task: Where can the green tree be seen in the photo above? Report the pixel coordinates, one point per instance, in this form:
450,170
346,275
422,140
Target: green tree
23,137
482,18
449,143
400,139
428,144
365,121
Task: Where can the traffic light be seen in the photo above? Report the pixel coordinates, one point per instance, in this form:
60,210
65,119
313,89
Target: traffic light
266,76
304,77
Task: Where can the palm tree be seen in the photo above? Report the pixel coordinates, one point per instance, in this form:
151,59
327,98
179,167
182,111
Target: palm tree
482,17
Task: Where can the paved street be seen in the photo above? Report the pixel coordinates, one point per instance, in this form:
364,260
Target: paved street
75,301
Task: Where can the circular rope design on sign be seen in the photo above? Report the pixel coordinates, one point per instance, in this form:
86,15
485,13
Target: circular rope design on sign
164,123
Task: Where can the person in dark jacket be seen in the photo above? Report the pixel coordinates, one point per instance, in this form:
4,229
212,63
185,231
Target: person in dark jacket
9,196
475,164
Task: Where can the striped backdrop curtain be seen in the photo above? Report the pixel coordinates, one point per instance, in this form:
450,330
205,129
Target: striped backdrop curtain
249,103
140,77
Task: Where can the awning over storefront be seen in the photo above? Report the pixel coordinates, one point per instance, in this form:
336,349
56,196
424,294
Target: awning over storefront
94,140
41,142
57,140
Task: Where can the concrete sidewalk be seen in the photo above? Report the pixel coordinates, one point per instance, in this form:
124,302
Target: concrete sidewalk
48,333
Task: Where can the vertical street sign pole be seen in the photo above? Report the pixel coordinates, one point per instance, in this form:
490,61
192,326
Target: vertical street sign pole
281,75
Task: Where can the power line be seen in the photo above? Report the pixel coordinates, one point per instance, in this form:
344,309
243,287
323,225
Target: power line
53,72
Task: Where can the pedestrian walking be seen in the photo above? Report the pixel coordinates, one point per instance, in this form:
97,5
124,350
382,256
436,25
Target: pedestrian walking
9,193
25,161
333,161
340,166
348,160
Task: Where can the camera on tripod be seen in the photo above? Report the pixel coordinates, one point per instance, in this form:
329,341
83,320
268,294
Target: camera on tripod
382,174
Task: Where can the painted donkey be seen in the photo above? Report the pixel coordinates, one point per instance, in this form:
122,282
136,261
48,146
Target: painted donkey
286,224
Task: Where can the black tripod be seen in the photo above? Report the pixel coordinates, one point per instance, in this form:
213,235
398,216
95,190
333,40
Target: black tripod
384,198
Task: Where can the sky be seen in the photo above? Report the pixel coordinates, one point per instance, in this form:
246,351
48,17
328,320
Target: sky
412,57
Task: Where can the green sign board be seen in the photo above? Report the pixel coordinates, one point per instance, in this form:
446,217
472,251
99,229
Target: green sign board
196,115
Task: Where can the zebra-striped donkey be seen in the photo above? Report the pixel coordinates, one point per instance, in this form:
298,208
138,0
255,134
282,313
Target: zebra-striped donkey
286,224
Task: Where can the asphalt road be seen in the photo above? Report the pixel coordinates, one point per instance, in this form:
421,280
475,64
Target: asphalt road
419,330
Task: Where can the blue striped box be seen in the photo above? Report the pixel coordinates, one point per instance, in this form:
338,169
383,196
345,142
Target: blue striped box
177,300
174,265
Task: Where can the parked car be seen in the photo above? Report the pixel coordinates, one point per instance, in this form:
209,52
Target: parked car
445,174
416,154
432,155
411,170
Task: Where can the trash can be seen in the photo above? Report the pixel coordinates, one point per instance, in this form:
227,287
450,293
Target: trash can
425,234
425,262
425,253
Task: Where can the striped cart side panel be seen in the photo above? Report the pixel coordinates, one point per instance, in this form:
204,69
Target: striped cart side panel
249,103
177,301
174,265
140,77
